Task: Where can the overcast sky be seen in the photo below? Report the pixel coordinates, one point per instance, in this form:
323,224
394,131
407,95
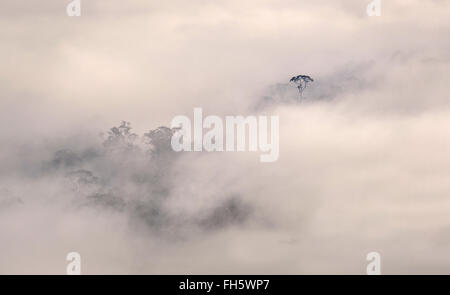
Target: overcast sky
365,168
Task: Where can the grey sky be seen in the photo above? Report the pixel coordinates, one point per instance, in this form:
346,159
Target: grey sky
364,170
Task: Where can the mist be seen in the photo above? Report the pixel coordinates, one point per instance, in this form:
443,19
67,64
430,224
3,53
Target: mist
363,162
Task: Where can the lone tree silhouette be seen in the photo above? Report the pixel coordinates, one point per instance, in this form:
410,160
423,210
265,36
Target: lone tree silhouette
301,81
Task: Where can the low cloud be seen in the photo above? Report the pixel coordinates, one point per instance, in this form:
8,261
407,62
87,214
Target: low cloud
363,158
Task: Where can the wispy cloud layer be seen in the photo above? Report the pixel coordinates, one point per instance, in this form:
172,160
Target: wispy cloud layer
363,161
